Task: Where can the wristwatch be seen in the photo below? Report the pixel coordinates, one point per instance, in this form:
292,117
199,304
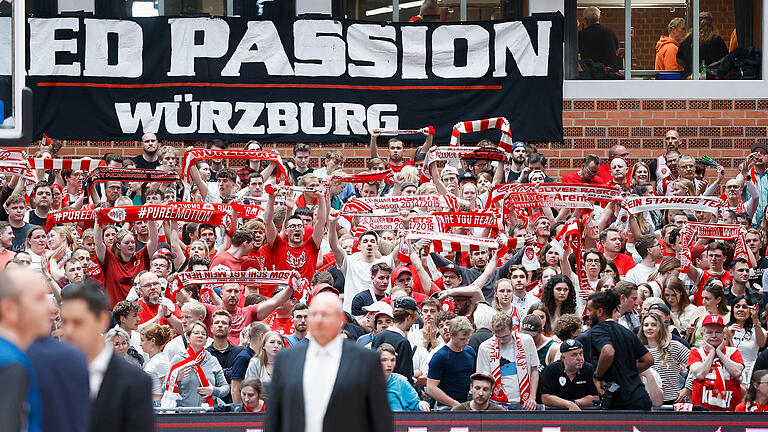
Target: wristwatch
168,315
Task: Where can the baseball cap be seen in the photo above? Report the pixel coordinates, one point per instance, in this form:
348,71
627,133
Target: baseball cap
759,145
482,376
450,267
398,271
696,251
713,320
279,288
405,302
448,170
531,324
467,176
322,287
406,185
384,311
570,345
660,307
377,307
517,144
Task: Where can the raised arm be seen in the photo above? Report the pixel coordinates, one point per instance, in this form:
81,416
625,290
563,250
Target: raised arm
333,241
266,307
712,189
373,144
98,239
424,278
269,223
152,241
322,216
172,236
202,185
488,271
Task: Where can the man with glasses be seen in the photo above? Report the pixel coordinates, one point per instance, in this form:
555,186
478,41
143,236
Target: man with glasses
671,143
588,174
649,249
155,308
73,180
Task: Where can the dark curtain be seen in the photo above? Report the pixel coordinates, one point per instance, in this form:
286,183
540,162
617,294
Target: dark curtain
743,10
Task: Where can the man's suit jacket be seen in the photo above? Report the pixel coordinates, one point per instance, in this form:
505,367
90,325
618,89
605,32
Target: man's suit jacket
124,402
358,401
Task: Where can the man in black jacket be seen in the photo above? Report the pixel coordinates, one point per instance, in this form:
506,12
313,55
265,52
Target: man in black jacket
596,42
329,384
121,394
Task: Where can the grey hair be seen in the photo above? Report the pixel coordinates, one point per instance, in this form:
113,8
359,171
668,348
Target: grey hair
116,331
483,316
675,23
591,15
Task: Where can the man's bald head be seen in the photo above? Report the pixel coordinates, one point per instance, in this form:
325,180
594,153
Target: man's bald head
326,317
24,305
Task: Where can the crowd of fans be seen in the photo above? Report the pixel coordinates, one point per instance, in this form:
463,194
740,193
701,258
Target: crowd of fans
456,330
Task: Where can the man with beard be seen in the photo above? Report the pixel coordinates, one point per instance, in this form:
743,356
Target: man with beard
243,316
622,357
150,158
517,165
482,390
292,251
154,308
43,198
224,351
395,149
299,316
659,167
567,383
469,276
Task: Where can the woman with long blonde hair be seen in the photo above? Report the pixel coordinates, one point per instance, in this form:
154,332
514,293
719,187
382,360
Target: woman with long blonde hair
669,355
712,47
263,362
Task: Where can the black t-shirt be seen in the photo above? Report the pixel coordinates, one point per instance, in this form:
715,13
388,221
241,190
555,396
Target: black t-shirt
143,164
554,381
404,365
599,44
226,360
363,298
623,371
756,279
480,336
35,219
20,238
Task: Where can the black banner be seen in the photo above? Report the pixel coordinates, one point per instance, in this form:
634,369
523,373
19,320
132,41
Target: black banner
513,421
291,80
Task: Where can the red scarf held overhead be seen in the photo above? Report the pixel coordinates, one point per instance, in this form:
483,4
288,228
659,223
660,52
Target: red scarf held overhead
194,156
360,178
161,212
244,211
68,216
193,359
103,174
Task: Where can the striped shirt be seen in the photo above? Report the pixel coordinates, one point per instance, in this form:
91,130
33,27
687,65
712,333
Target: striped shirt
677,354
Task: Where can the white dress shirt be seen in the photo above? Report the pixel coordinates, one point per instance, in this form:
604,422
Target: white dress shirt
320,368
97,368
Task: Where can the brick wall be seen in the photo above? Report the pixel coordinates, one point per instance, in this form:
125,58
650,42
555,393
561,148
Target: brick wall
721,129
650,23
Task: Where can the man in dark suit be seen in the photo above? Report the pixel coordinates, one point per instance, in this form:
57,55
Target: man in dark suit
121,394
329,384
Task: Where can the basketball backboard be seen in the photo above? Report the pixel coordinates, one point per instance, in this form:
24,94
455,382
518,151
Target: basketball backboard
15,124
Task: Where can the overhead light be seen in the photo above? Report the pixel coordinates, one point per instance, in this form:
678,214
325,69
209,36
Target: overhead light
388,9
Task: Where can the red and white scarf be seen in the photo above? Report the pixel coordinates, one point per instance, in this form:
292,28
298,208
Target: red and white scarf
571,234
85,164
361,178
443,221
244,211
104,173
561,194
640,204
436,154
447,242
171,394
501,123
161,212
193,156
252,277
68,216
521,361
695,231
363,205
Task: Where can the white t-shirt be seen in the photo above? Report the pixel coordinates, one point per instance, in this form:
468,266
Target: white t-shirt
157,368
357,275
639,273
509,379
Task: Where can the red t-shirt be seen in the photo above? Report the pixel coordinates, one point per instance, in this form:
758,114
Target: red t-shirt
575,178
742,407
605,172
227,260
119,275
148,312
705,276
623,262
400,167
718,391
242,317
303,259
94,270
284,326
